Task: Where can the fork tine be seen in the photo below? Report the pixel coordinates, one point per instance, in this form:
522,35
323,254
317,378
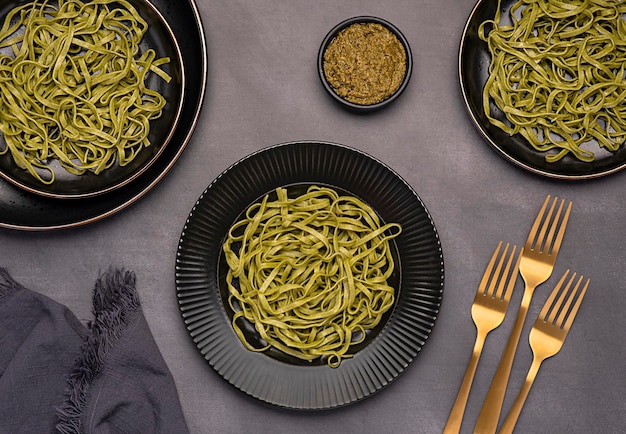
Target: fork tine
542,233
547,241
548,304
502,293
496,274
570,319
554,249
541,237
559,304
564,306
483,282
532,235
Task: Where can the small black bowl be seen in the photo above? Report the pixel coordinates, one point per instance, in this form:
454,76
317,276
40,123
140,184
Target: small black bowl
361,108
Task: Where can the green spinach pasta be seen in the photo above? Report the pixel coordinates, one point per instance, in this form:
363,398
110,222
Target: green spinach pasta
557,73
310,273
72,86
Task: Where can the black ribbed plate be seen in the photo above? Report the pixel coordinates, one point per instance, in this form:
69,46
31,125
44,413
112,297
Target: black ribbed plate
279,380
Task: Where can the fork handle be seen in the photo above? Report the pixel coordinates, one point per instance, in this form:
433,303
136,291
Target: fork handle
487,421
455,419
516,409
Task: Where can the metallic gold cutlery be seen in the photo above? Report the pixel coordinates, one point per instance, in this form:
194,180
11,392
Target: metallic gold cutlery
547,337
488,311
538,258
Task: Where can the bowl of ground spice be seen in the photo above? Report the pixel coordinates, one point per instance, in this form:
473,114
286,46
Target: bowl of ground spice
365,63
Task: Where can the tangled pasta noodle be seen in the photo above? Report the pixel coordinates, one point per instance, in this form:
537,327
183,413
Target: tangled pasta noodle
558,75
72,86
310,273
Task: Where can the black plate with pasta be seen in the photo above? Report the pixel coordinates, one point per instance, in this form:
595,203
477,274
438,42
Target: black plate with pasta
22,210
273,376
86,123
474,60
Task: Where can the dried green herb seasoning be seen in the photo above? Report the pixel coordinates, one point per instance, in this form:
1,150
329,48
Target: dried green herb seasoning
365,63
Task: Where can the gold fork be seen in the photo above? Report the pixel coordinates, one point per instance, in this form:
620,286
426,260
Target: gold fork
547,337
538,258
488,311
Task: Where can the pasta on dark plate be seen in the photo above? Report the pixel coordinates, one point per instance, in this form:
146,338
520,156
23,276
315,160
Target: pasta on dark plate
272,375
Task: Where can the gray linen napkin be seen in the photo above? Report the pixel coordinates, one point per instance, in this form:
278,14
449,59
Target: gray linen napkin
58,376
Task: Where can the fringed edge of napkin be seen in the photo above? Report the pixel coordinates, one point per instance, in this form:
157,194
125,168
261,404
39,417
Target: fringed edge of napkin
8,286
115,299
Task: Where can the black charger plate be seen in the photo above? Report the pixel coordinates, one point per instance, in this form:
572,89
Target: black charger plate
474,59
27,211
274,377
158,37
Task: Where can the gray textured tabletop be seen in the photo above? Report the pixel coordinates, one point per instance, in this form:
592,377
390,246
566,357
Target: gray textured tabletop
263,89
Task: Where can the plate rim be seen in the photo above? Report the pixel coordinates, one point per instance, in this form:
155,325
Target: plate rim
216,313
